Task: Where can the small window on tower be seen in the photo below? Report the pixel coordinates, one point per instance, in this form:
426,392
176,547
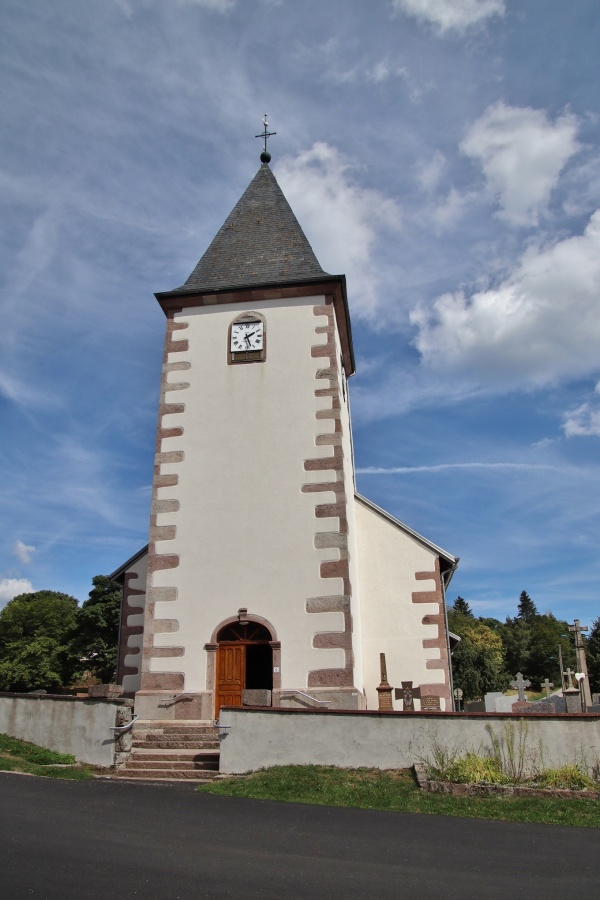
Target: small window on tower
247,340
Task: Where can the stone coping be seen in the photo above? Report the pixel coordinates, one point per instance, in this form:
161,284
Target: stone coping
458,789
69,698
392,713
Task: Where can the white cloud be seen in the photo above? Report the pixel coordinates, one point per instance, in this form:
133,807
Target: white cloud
584,421
341,219
429,173
447,15
12,587
537,327
522,154
385,69
222,6
469,466
24,552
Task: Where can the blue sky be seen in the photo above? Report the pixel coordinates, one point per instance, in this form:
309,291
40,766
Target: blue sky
444,154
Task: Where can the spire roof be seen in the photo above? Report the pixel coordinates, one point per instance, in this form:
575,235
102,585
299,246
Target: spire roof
261,242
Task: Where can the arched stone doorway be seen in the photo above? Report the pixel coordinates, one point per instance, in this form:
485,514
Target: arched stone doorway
247,658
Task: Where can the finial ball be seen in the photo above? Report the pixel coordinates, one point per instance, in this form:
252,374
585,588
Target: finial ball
265,156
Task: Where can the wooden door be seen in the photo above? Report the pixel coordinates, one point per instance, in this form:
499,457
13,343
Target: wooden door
231,675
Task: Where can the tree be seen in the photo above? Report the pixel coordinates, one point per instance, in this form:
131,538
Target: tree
478,661
461,606
592,653
34,632
94,637
527,608
546,635
516,637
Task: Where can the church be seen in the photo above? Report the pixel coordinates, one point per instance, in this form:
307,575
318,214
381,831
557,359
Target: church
268,580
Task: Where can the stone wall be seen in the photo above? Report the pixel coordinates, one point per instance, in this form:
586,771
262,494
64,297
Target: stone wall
73,725
255,739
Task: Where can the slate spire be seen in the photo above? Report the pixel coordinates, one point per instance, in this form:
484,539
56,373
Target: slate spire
261,242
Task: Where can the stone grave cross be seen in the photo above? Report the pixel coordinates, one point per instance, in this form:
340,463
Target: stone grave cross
520,683
569,676
407,693
547,685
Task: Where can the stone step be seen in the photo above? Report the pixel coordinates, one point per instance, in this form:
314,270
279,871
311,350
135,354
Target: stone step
183,755
166,774
211,765
167,743
179,730
175,745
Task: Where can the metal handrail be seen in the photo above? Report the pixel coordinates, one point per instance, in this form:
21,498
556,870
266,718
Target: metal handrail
123,728
168,701
286,693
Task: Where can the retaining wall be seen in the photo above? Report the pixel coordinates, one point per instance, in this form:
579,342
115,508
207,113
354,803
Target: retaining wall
253,739
68,724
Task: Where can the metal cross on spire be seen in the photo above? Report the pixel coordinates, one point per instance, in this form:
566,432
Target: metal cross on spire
265,156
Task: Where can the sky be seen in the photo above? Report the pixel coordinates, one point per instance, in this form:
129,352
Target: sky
443,154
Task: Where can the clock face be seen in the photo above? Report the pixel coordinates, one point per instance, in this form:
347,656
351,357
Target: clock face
246,336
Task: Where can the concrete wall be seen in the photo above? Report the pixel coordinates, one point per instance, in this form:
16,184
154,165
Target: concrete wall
66,724
260,739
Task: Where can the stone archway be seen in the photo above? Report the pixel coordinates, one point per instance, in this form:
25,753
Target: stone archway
243,655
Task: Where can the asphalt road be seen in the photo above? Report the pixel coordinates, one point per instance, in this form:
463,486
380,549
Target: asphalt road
62,839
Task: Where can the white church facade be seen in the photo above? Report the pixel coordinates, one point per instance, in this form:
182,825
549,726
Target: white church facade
267,579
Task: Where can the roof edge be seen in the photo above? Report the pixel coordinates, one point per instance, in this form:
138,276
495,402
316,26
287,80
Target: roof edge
118,573
448,557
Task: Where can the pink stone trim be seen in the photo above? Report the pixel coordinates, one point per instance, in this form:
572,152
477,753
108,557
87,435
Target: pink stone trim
440,643
161,533
127,630
333,539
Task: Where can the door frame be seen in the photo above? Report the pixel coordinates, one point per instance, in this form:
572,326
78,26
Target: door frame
212,649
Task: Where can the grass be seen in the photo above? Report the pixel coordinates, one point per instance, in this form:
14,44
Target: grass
20,756
397,790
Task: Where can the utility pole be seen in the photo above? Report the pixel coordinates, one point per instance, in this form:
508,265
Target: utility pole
577,629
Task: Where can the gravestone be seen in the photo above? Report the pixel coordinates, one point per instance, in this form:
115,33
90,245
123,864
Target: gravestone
547,685
430,704
408,694
490,700
573,700
520,683
533,707
495,701
384,691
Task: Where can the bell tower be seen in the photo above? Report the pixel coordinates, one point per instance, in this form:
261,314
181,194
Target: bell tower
252,579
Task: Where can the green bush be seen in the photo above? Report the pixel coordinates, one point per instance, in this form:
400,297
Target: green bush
473,769
569,777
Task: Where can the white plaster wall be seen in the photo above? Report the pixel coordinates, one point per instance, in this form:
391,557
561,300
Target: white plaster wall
79,727
391,622
245,530
134,641
256,740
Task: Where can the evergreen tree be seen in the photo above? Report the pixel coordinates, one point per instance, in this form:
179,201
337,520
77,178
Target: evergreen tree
527,608
34,632
516,638
94,638
461,606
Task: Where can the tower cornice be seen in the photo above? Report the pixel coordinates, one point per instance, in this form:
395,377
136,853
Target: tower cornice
330,286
